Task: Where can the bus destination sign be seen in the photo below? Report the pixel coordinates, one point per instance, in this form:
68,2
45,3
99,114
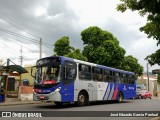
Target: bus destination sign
48,61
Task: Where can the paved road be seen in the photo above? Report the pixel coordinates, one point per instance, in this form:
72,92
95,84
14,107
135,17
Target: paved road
129,105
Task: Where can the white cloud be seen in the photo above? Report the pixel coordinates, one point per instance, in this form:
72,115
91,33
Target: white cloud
52,19
40,11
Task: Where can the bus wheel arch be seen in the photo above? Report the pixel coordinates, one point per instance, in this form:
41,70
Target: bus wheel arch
120,96
83,98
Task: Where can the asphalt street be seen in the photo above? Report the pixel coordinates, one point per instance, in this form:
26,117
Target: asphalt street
127,105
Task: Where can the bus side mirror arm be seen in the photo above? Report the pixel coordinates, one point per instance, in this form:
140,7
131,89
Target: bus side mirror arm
32,71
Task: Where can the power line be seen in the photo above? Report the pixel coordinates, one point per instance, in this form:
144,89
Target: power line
18,27
10,48
25,37
25,46
16,34
20,21
18,43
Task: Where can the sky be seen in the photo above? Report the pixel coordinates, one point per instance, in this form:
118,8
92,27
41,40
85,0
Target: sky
24,22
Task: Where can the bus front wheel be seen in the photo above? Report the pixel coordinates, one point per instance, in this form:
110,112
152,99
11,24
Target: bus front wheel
82,99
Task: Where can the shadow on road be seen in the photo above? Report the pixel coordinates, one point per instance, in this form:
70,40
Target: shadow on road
71,105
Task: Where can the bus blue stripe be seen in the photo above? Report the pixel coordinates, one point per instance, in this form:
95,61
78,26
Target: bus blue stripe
106,91
110,90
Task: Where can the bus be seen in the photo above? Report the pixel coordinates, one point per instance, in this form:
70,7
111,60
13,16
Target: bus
67,80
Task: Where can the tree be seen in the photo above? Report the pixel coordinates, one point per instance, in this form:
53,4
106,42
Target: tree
154,58
101,47
76,54
62,46
150,8
130,63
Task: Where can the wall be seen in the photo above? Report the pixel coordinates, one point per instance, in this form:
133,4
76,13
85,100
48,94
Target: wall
158,90
25,93
152,83
140,80
28,75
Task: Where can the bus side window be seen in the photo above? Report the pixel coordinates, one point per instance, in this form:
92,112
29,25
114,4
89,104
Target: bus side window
69,72
84,72
111,79
121,77
124,78
97,74
131,79
106,75
116,77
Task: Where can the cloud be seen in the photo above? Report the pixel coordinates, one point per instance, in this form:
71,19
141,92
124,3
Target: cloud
47,19
52,19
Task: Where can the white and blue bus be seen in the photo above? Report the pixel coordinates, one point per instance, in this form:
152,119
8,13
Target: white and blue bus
63,80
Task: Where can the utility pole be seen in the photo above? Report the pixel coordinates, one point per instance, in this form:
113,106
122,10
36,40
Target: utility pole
148,75
8,60
20,57
40,45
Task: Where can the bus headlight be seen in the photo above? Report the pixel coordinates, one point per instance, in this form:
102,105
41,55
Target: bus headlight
58,89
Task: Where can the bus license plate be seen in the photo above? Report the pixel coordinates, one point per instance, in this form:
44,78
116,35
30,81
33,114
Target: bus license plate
41,97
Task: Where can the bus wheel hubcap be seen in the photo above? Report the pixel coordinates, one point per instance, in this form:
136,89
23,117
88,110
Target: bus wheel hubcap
120,98
81,98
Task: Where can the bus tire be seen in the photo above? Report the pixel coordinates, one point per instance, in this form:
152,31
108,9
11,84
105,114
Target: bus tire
58,103
82,99
120,97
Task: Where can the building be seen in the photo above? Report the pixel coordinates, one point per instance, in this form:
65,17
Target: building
153,85
27,76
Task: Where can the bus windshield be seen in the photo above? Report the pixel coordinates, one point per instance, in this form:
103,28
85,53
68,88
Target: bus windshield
47,73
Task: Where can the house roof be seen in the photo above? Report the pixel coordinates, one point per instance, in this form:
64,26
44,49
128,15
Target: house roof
12,68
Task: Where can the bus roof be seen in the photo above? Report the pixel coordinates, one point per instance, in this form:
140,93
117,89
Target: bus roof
93,64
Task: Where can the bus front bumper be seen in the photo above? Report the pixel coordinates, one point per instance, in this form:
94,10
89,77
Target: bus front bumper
53,96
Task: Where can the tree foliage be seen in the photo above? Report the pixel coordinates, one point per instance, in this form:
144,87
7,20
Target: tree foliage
62,46
150,8
76,54
154,58
101,47
130,63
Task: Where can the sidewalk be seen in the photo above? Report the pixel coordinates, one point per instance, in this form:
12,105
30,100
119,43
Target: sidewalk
14,101
156,97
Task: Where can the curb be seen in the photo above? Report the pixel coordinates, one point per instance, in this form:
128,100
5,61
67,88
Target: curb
155,118
20,103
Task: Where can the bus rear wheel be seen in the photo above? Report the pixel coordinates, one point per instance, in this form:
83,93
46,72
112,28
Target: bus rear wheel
120,97
82,99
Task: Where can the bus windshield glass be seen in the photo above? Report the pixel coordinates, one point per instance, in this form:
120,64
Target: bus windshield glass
47,70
